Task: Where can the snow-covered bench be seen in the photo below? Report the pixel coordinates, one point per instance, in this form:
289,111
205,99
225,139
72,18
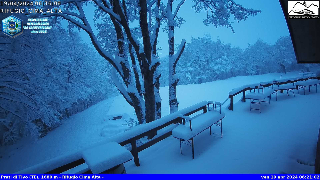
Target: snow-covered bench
101,159
308,83
191,127
258,98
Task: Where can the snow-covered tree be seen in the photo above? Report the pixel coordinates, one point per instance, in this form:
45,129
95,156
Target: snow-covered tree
134,61
222,61
258,58
219,13
284,54
44,78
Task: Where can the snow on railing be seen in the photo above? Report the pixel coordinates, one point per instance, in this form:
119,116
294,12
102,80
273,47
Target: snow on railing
162,126
277,82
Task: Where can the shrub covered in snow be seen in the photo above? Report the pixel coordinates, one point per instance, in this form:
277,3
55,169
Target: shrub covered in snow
43,82
205,60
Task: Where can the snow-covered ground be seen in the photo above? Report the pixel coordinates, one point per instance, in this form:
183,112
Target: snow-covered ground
282,139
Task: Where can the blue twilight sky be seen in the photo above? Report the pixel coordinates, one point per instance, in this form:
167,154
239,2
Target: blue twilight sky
268,25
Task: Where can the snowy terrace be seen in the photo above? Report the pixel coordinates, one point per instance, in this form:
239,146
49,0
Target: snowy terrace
282,139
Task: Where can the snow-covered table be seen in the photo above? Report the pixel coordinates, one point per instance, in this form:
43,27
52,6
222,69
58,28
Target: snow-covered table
101,159
191,127
258,98
308,83
286,87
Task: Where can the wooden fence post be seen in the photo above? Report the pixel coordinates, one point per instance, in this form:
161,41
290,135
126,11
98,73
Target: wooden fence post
205,109
317,160
231,103
243,96
134,152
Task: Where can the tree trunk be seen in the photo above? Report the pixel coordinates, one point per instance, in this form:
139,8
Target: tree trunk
157,75
283,68
149,98
139,108
173,102
157,96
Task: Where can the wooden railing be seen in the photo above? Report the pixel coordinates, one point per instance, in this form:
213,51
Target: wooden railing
162,127
250,87
143,130
74,162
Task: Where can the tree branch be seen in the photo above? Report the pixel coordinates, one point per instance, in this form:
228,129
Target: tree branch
135,70
151,3
144,29
121,88
179,52
178,8
154,67
124,22
156,31
107,10
77,23
72,14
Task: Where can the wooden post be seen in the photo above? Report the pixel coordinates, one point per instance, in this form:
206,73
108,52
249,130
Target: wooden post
205,109
231,103
221,129
317,161
243,96
134,152
192,148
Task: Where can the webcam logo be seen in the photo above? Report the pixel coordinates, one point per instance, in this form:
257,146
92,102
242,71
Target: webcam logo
12,26
303,9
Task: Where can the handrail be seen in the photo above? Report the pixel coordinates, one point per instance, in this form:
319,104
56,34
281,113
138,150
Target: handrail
224,101
130,137
278,82
126,138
